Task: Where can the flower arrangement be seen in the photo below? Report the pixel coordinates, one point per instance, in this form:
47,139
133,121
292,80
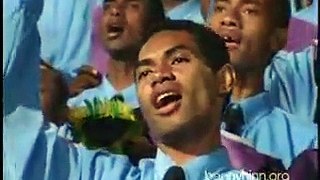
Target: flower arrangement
105,124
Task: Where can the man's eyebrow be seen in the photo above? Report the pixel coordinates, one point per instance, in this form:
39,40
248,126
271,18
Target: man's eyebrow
225,1
243,1
110,1
257,2
167,53
174,49
133,0
144,62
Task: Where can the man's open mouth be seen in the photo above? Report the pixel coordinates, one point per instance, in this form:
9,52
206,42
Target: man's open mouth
167,102
231,38
231,42
114,31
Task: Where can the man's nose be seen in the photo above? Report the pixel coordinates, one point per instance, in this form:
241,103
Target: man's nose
163,74
116,10
231,19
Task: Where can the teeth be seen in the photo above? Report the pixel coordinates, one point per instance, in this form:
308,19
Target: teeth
164,95
227,38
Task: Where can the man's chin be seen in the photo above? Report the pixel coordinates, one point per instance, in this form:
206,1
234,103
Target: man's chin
175,138
171,134
116,47
239,64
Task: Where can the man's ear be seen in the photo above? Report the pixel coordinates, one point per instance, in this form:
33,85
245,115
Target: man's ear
227,77
279,39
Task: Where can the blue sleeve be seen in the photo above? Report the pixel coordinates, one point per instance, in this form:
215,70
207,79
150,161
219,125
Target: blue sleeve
21,54
66,161
291,83
32,149
283,136
20,83
65,31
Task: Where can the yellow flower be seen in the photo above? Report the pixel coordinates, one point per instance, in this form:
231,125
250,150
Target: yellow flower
101,109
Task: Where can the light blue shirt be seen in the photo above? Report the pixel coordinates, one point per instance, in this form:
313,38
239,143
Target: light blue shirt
21,79
65,29
21,46
190,10
290,81
273,131
106,91
52,157
215,165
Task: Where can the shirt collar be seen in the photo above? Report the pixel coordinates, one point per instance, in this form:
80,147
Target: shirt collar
129,94
255,107
215,162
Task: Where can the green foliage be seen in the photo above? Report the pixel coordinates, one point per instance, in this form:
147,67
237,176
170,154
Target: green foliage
114,111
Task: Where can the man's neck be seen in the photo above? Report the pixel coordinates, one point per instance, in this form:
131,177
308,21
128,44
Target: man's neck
193,148
120,73
248,84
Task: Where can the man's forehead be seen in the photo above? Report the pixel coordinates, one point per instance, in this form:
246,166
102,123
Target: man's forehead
106,1
241,1
206,3
164,40
207,6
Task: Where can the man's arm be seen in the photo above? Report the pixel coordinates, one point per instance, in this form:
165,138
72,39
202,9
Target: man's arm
292,72
32,149
290,80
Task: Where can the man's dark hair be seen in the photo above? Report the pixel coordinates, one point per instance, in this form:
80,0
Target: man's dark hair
210,44
155,11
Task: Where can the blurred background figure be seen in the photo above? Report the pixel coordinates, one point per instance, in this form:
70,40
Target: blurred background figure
269,82
301,4
119,29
